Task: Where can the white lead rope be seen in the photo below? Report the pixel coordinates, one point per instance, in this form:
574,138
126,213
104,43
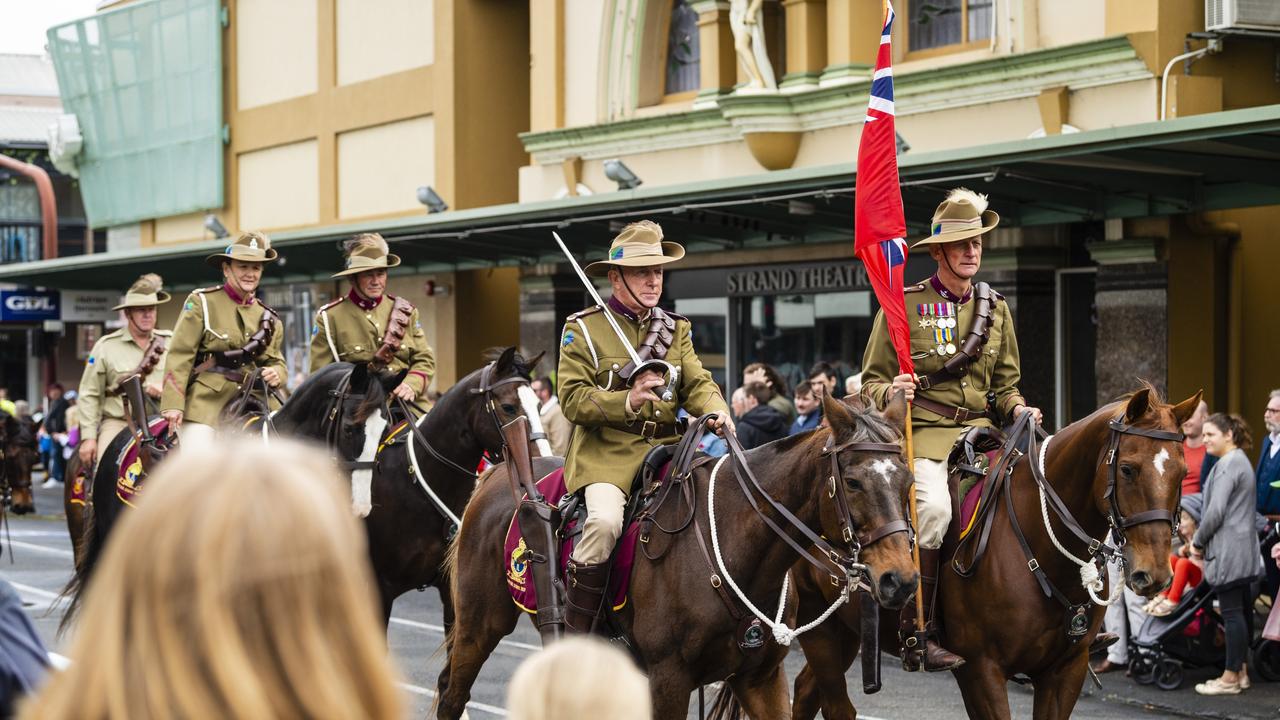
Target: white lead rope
1090,579
781,633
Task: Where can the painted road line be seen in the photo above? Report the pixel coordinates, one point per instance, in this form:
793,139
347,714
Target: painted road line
482,707
42,548
440,629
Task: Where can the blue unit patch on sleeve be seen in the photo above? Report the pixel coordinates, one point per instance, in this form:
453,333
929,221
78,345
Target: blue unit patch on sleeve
189,306
568,338
91,359
315,330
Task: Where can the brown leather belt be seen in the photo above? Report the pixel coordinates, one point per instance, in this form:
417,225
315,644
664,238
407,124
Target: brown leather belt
650,429
958,414
210,365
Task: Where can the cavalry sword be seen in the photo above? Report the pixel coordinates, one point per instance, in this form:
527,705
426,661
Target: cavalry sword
660,366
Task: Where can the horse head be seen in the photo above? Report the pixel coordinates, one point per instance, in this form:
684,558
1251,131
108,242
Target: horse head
497,394
1139,487
21,451
873,482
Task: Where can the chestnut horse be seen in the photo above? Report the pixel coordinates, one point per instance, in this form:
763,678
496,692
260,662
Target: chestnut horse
676,622
998,618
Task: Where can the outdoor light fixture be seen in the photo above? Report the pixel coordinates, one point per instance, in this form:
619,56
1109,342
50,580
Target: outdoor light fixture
616,171
215,226
431,199
900,143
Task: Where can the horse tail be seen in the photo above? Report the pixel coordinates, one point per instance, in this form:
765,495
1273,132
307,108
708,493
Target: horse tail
725,706
90,550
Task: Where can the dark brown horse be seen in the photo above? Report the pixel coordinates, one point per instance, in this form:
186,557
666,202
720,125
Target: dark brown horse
676,622
20,450
999,618
76,509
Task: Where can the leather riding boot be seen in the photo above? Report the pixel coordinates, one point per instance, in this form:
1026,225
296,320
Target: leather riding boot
936,658
585,597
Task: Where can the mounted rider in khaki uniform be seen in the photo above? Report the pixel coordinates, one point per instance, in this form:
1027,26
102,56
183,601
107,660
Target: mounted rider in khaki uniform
615,427
116,356
965,351
223,333
359,326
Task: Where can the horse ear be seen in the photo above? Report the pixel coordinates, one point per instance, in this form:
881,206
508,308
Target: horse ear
390,381
836,412
359,378
1139,404
533,361
1185,409
506,360
896,411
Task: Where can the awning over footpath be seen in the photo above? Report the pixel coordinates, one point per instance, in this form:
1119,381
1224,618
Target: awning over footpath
1205,162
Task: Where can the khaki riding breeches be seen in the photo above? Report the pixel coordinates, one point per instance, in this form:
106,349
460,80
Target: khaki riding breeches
605,506
933,503
107,431
193,434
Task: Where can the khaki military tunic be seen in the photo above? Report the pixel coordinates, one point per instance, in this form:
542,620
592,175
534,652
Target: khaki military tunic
594,398
113,357
996,370
346,332
212,320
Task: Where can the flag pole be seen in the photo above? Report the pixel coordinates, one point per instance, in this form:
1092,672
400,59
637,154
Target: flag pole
915,524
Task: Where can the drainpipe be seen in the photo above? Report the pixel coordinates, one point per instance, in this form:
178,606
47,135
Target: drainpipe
1215,45
48,205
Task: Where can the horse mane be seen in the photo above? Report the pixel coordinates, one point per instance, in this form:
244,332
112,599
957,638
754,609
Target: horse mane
1157,397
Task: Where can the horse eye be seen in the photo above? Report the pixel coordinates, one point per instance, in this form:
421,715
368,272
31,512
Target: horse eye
1127,471
508,408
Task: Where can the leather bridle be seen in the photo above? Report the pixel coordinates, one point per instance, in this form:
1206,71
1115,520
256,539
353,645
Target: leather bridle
1117,519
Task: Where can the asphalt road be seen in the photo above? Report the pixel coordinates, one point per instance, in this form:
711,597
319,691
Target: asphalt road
41,564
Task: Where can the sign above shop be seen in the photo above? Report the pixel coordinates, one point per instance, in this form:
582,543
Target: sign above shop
89,306
29,306
829,277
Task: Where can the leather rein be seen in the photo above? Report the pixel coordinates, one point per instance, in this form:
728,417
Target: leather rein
1097,549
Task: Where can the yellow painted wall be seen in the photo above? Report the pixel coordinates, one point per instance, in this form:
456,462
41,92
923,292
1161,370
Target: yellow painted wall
491,301
380,37
1065,23
181,228
275,50
380,168
279,186
583,63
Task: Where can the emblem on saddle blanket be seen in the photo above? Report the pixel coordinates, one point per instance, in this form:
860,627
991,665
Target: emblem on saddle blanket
131,474
518,577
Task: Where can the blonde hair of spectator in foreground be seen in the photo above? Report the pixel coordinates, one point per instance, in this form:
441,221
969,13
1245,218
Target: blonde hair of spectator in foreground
578,677
239,588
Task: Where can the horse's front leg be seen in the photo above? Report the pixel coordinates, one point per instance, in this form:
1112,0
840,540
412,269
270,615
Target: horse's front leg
669,689
829,650
763,695
1058,688
984,688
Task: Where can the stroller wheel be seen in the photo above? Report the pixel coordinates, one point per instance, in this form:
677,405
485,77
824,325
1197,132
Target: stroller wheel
1143,670
1266,660
1168,675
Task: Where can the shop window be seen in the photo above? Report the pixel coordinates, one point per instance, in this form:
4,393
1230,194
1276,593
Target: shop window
683,50
791,332
947,25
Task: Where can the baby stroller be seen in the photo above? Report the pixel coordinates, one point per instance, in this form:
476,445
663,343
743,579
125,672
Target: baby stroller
1190,636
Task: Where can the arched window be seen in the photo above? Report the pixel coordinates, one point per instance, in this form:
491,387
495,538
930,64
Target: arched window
683,49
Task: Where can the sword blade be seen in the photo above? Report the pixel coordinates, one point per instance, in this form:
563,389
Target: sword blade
595,295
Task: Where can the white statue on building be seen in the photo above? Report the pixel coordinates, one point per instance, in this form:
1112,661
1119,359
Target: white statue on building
748,40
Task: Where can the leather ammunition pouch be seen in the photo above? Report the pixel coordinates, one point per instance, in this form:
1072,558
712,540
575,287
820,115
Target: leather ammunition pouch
397,328
227,362
656,344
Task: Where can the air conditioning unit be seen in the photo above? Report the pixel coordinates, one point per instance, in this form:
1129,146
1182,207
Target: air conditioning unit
1260,17
65,143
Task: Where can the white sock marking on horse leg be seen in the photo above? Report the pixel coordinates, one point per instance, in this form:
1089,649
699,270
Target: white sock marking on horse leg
885,468
1160,459
529,401
362,480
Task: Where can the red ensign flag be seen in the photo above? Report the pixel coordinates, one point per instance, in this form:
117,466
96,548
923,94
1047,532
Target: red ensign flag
879,227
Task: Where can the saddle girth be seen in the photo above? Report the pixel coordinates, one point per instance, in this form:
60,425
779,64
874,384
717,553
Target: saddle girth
656,344
971,349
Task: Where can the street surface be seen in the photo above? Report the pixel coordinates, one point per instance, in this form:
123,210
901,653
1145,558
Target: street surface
41,564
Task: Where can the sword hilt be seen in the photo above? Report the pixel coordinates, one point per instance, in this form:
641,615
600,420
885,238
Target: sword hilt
662,367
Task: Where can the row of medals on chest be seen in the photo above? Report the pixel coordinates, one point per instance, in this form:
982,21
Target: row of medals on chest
940,318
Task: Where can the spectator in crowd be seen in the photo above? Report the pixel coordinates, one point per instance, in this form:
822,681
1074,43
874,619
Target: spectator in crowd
55,426
1187,572
1193,448
557,427
23,659
853,385
769,375
823,378
22,410
759,422
253,599
809,409
580,677
1227,543
1268,478
6,405
1124,618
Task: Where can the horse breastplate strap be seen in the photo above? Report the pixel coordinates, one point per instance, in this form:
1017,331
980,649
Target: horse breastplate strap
971,348
656,344
397,328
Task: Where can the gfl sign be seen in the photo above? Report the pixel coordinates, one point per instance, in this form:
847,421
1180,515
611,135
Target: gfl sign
30,304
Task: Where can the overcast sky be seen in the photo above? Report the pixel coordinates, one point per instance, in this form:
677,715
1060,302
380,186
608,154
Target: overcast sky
24,22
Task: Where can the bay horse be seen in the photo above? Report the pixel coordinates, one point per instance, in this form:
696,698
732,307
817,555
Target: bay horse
19,451
678,626
999,618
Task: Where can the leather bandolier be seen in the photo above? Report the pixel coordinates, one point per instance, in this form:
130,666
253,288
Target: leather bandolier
393,339
131,387
656,343
229,362
957,365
